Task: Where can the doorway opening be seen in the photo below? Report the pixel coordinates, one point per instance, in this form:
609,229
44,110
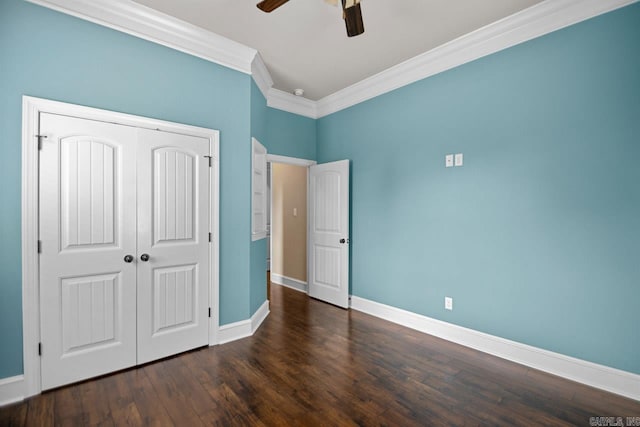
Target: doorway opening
287,201
327,230
287,226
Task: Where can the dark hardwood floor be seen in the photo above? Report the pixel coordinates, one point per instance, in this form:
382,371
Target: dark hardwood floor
314,364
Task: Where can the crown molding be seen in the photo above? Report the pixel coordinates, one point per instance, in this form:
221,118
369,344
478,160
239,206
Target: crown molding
261,75
149,24
279,99
535,21
286,101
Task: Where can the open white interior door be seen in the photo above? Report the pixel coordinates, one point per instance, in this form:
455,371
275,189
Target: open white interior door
328,253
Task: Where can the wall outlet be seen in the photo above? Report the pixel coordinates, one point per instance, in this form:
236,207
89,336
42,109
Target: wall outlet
458,159
448,303
448,161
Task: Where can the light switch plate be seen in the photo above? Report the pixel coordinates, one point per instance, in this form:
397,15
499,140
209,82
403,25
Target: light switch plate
458,159
448,161
448,303
295,211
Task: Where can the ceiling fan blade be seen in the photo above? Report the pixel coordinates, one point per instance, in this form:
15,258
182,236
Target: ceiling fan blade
353,17
270,5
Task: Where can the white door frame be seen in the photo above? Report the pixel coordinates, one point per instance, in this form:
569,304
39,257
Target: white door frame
294,161
31,109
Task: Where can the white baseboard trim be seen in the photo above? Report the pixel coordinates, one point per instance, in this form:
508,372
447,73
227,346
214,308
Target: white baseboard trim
603,377
243,328
259,316
234,331
289,282
11,390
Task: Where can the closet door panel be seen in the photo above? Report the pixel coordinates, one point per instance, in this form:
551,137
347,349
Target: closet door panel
87,227
173,232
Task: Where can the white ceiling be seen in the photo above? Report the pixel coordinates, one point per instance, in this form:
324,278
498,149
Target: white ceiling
304,43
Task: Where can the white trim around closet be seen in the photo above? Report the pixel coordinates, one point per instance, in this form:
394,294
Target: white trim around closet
31,109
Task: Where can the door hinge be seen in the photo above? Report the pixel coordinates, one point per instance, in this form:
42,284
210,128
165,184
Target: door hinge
40,138
210,237
39,246
210,160
39,349
209,311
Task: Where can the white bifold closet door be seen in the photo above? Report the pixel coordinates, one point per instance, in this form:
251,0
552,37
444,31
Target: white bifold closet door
124,268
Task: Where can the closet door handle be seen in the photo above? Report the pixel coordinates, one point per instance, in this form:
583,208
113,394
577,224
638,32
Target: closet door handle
144,257
128,258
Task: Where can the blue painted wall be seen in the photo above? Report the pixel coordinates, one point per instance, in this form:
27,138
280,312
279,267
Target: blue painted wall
537,236
55,56
290,135
258,269
284,134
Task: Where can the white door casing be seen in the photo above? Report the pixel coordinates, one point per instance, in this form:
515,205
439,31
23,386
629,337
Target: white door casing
87,227
258,190
110,193
328,254
294,161
31,210
173,230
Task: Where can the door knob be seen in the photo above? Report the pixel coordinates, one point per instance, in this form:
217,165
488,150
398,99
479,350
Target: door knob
144,257
128,258
343,241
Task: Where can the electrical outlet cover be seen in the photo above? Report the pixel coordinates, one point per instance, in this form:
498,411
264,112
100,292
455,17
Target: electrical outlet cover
448,161
458,159
448,303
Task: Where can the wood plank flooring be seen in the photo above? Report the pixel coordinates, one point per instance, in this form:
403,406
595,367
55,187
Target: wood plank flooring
314,364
